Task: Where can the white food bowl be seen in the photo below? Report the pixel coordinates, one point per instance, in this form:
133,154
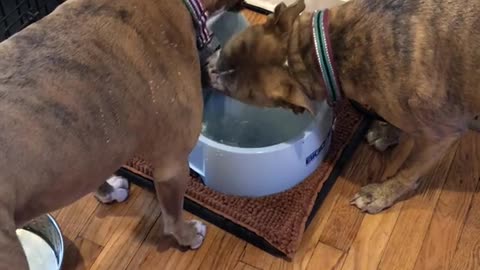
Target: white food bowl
249,151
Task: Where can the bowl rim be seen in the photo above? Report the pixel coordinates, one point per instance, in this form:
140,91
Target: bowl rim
62,244
51,220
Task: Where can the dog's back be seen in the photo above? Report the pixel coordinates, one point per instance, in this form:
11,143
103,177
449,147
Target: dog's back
78,86
423,50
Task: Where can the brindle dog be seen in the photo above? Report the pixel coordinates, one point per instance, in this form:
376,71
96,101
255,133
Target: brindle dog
413,62
82,91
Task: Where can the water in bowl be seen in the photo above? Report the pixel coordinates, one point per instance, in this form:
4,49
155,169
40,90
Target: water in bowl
236,124
40,255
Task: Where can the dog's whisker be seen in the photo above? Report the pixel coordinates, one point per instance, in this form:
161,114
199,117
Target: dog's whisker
226,72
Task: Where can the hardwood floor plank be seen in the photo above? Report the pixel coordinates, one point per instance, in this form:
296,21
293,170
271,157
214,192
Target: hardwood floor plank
154,251
343,223
106,218
161,250
224,253
192,259
256,257
326,258
367,249
244,266
73,218
413,222
467,256
80,254
451,211
130,233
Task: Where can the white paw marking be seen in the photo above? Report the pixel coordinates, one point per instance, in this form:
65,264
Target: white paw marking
118,182
201,232
119,192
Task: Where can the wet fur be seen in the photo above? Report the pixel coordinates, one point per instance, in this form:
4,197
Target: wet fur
82,91
413,62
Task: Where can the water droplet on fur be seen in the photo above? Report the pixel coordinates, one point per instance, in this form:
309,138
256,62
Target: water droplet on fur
179,73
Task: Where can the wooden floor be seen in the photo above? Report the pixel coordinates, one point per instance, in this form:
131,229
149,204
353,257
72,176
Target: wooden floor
438,228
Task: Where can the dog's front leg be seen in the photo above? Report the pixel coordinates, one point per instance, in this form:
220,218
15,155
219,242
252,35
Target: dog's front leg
375,197
11,251
170,185
11,254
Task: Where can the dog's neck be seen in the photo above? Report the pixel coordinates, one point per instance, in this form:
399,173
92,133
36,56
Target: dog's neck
207,44
302,54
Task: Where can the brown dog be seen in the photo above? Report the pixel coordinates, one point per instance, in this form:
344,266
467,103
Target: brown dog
415,63
85,89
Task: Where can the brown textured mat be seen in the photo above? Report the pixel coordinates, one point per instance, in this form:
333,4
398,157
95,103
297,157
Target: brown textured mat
274,222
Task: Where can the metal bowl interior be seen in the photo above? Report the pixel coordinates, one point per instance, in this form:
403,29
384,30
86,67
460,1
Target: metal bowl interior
46,227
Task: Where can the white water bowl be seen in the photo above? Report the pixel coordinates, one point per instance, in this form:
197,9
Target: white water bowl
249,151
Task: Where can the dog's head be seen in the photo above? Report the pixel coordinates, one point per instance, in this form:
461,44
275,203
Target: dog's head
253,67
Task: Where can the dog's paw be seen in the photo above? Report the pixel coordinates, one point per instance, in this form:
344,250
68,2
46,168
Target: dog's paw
372,198
118,182
382,135
380,144
116,191
199,236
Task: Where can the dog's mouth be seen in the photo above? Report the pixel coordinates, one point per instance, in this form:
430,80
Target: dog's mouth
216,81
295,109
216,74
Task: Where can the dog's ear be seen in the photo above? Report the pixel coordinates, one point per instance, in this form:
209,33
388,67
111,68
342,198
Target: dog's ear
290,92
284,16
